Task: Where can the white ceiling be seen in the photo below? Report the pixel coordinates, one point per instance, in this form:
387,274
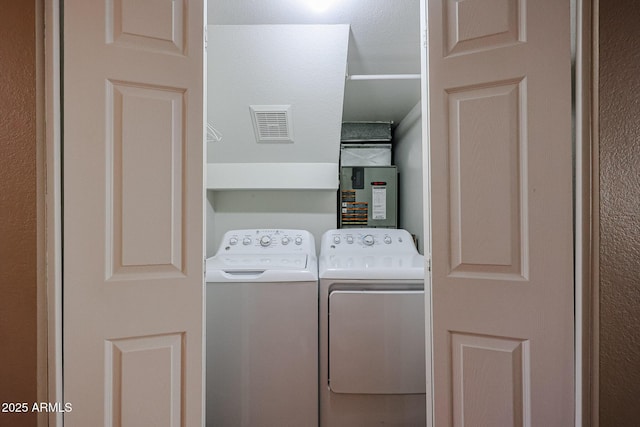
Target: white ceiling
384,39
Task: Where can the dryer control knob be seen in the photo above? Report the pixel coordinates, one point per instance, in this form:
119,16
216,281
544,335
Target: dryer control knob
298,240
368,240
265,241
336,239
246,241
233,241
349,239
285,240
387,240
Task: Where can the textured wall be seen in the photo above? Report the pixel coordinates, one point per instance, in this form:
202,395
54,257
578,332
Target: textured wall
314,211
620,213
17,209
407,146
298,65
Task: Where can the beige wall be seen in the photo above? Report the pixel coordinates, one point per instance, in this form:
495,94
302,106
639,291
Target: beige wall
17,208
619,213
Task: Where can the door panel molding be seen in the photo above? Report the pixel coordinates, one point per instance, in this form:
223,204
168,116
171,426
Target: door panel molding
487,161
145,131
482,25
148,25
477,360
135,384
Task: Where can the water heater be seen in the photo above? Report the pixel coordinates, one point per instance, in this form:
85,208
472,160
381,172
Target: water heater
368,197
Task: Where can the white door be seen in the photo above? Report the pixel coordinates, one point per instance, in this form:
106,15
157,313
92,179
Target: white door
133,212
499,128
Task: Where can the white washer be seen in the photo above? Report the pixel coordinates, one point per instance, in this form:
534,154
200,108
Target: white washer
372,336
262,330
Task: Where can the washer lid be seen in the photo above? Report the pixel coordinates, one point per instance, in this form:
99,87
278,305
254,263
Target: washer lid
261,268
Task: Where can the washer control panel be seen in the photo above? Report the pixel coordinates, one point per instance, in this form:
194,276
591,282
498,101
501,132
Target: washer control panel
367,239
270,240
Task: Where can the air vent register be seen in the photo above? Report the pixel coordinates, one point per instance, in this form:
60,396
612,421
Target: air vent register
272,123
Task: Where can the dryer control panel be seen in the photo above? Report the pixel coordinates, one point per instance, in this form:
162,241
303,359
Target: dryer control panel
256,241
368,240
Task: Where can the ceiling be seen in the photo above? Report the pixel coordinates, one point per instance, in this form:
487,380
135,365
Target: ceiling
384,39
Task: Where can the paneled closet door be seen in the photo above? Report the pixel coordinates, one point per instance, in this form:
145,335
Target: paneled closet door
133,212
499,84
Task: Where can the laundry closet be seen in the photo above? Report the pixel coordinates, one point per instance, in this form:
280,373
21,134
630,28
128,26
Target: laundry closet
314,139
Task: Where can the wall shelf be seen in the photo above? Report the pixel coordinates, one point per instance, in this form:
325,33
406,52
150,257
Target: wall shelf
272,176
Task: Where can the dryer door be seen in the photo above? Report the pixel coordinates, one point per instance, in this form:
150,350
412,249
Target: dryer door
376,342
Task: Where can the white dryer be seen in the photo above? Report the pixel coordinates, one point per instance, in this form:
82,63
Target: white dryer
262,330
372,334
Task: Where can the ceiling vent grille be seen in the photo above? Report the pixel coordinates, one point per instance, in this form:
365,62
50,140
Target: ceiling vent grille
272,123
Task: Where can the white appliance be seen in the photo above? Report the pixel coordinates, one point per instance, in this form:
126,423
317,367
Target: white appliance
262,330
372,335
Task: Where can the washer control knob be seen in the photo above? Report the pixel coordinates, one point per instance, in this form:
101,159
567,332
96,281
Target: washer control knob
233,241
285,240
246,241
368,240
349,239
336,239
387,240
298,240
265,241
